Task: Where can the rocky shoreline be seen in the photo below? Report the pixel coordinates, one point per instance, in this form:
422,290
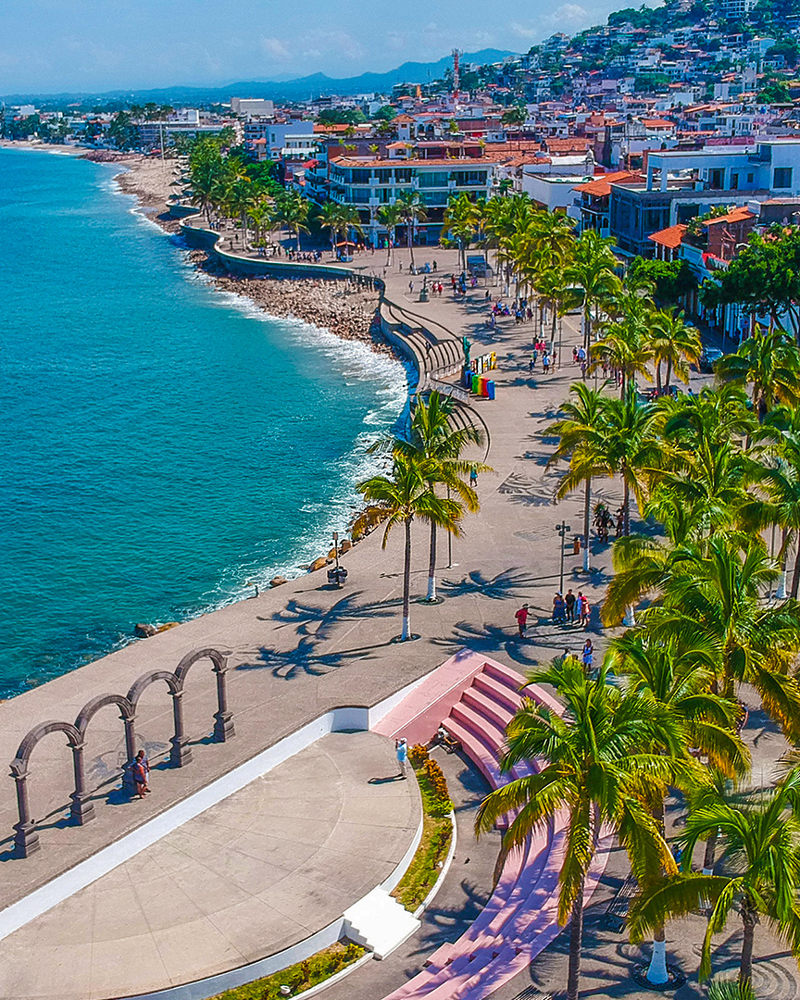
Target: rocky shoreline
345,308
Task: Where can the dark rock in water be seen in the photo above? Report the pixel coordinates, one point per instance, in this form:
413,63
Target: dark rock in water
318,564
276,581
145,631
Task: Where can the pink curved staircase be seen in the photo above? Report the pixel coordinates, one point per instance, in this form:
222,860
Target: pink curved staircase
474,698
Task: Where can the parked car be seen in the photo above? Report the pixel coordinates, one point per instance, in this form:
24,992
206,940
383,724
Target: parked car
708,358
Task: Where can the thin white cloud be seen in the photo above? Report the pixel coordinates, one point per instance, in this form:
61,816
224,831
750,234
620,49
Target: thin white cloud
275,48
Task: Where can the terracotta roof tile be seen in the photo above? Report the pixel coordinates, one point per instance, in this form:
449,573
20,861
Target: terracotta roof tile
670,237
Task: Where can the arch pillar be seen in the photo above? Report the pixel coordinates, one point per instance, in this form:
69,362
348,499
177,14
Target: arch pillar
82,808
181,752
130,736
26,838
223,717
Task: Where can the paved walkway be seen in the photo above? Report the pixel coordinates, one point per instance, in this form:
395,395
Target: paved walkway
265,868
304,648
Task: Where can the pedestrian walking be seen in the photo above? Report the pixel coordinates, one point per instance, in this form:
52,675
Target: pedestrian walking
401,752
559,609
546,363
569,600
410,287
585,610
587,656
522,619
473,477
140,770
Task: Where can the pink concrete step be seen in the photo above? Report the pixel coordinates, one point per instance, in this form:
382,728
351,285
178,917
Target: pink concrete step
477,751
496,712
497,692
504,675
487,731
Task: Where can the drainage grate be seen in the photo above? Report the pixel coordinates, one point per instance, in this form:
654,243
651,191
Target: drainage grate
531,993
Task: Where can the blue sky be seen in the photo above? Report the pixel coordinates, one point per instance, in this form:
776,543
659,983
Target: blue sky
95,45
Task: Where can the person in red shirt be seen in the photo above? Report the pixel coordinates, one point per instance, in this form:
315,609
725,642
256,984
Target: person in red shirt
522,619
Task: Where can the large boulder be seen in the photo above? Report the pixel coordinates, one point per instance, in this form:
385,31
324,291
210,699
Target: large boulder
145,631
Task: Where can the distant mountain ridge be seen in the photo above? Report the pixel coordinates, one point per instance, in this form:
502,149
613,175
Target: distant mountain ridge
302,88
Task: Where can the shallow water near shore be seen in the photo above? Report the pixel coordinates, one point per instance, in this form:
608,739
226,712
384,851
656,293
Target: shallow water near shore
164,447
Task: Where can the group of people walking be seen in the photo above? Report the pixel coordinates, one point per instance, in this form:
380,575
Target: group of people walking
568,609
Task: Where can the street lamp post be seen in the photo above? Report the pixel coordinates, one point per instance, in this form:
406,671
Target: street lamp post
563,528
336,558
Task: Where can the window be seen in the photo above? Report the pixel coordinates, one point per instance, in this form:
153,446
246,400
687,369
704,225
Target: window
734,182
782,178
361,176
751,178
402,176
435,179
716,179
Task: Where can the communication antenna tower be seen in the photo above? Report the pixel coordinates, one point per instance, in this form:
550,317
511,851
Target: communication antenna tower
456,71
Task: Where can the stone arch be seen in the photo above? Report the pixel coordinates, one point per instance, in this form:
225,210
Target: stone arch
127,714
26,838
181,752
223,717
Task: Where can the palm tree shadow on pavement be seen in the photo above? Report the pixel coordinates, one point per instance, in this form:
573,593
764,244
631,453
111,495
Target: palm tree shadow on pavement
313,619
496,588
307,657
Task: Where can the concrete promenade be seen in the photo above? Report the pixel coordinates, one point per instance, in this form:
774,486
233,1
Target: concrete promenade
255,874
299,650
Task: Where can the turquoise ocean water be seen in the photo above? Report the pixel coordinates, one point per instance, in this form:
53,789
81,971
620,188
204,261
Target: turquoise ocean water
162,446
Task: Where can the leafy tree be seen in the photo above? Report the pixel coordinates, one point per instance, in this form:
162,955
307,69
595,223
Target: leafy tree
763,278
516,115
672,279
385,113
775,92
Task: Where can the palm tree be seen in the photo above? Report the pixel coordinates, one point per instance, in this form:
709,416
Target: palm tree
412,211
390,216
593,269
330,218
770,364
729,989
761,882
240,198
711,595
673,344
599,770
580,430
440,446
678,678
631,449
292,210
624,346
398,500
459,222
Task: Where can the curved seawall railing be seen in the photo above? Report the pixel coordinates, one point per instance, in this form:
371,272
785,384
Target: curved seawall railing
432,349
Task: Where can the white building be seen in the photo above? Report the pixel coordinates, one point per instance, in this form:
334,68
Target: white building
252,106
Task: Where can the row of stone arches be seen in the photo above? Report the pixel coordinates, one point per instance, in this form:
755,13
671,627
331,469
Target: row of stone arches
26,838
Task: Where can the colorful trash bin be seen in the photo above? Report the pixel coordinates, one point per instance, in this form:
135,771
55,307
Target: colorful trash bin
476,384
490,388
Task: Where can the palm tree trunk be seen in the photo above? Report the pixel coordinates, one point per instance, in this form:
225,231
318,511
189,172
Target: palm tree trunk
432,566
587,527
708,856
657,972
796,574
746,966
410,242
669,371
297,234
575,947
629,621
780,593
406,632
